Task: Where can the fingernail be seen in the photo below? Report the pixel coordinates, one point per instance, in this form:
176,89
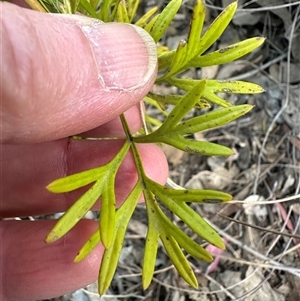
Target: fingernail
125,55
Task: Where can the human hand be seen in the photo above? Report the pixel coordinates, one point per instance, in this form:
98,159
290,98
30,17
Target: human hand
60,76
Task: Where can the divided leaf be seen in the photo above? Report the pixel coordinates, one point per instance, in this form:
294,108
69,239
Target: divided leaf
186,214
172,237
173,133
76,212
105,178
190,51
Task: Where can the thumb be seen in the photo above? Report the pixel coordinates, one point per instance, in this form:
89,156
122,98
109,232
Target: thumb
66,74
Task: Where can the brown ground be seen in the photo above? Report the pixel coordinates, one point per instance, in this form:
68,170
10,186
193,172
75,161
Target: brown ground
257,264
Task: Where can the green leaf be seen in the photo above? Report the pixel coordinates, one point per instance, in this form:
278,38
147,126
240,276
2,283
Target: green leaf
213,98
88,7
180,110
172,133
88,199
189,245
122,14
150,252
216,29
164,61
178,259
156,217
89,246
111,256
184,106
94,4
153,121
132,9
74,5
152,237
196,195
108,213
73,215
164,19
183,240
187,215
233,87
215,86
194,47
227,54
108,206
81,179
105,10
193,41
77,180
187,50
150,24
156,103
211,120
194,147
40,6
121,216
184,84
144,19
178,59
170,99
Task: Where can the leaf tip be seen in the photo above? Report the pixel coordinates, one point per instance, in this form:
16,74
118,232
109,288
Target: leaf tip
195,285
232,6
55,186
234,3
145,283
51,237
102,287
221,245
193,282
49,187
80,256
77,258
260,40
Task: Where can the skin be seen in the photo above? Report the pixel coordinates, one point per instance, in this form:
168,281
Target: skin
62,76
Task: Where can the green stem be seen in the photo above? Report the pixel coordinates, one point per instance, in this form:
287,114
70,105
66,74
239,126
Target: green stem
135,152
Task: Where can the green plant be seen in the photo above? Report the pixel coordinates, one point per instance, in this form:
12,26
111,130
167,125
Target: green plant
175,130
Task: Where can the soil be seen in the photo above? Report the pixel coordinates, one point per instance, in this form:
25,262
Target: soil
261,226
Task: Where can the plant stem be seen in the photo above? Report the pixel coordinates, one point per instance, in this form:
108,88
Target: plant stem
135,152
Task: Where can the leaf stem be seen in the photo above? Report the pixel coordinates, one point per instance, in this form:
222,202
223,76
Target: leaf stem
135,152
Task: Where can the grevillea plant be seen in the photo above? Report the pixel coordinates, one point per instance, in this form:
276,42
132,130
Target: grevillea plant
175,130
